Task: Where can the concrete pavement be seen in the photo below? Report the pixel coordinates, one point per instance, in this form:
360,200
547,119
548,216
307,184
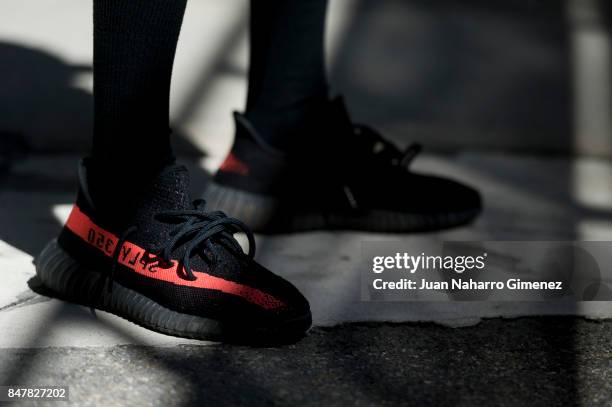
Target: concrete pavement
535,362
353,356
527,198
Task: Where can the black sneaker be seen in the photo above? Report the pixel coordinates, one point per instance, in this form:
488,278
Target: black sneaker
344,177
171,267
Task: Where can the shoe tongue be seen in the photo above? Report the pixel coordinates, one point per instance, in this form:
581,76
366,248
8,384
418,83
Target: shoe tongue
169,191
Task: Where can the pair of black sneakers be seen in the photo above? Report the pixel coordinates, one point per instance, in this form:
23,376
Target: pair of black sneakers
167,264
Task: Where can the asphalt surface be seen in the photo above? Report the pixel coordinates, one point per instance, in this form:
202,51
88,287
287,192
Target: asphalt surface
528,361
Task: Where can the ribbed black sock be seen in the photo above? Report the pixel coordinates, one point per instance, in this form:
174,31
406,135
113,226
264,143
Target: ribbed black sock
134,46
287,81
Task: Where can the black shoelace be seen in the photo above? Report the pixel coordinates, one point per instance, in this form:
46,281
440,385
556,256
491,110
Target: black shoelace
194,230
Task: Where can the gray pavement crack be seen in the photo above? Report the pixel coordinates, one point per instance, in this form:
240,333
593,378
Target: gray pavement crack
25,298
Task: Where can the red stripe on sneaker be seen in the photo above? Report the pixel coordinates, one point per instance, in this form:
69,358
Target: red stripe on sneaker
131,254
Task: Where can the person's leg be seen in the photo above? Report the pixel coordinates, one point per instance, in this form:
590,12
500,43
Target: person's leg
135,244
134,46
287,81
299,162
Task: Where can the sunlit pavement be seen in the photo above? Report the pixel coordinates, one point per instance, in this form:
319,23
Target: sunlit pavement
526,198
358,352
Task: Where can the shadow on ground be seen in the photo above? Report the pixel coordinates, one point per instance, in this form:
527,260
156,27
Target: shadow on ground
495,363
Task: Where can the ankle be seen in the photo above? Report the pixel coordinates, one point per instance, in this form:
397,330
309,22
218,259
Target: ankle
108,179
285,127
